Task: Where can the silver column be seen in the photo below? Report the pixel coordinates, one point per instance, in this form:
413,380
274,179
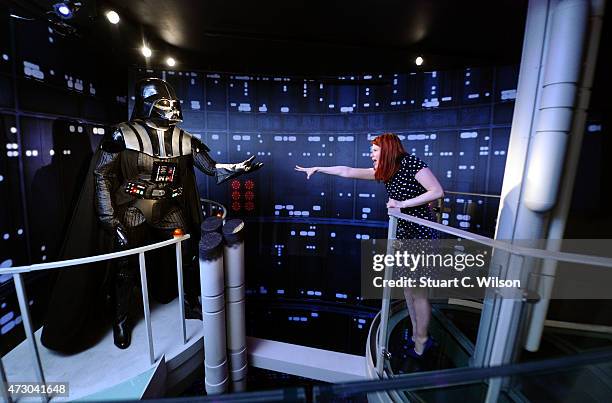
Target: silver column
546,94
233,232
500,317
212,285
561,210
562,68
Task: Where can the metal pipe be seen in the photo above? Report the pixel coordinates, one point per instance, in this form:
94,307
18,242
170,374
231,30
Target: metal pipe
145,304
386,301
92,259
4,392
181,291
562,67
450,192
528,94
536,192
213,311
22,297
514,249
560,212
233,258
212,224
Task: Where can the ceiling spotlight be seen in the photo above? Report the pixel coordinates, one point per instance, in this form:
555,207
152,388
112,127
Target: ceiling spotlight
112,16
170,62
146,51
66,9
419,61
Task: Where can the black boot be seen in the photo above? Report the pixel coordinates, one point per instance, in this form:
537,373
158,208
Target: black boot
122,332
193,308
191,271
124,292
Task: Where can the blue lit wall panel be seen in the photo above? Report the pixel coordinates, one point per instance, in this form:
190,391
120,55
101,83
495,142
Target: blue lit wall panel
497,155
6,91
56,153
6,82
304,235
64,103
5,44
13,250
454,120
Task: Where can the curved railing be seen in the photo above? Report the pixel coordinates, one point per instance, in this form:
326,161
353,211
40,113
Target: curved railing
213,208
24,306
209,208
382,389
380,323
380,332
514,249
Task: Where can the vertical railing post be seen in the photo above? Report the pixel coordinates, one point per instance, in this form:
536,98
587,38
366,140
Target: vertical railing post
4,392
386,302
29,331
181,293
145,304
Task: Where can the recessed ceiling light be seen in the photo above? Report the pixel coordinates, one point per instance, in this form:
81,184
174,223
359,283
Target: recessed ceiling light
146,51
419,60
170,62
112,16
66,9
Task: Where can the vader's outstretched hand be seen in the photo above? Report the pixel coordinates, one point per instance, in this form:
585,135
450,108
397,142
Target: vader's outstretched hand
248,165
229,171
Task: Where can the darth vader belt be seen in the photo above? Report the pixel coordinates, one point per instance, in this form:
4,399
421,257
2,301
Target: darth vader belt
154,191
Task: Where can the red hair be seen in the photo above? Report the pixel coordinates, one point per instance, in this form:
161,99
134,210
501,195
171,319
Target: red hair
391,154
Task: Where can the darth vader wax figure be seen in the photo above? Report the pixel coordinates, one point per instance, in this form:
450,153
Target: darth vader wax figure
140,187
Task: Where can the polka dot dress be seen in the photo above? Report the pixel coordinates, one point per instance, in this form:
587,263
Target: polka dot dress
403,186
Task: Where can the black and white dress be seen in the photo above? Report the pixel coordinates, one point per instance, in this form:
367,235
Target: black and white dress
403,186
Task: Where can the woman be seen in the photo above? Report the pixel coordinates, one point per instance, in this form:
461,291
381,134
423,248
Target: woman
411,186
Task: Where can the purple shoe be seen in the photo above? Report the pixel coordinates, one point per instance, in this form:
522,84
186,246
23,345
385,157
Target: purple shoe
426,347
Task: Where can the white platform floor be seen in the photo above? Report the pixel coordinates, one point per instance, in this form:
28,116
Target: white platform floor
104,365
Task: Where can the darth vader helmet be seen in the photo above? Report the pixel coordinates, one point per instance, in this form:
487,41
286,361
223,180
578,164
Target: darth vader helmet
156,101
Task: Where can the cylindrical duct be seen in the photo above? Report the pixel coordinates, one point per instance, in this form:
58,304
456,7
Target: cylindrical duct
213,310
233,231
559,214
562,73
212,224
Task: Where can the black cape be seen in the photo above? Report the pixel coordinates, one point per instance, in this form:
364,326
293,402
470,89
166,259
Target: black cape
79,305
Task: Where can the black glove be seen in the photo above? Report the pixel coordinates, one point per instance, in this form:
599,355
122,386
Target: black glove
121,239
248,166
229,171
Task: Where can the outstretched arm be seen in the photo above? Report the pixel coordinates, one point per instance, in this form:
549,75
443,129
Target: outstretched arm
342,171
204,162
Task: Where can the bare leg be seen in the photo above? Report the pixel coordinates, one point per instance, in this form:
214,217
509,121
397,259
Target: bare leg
423,315
411,311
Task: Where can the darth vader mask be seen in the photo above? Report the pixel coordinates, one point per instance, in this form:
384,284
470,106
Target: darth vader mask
156,101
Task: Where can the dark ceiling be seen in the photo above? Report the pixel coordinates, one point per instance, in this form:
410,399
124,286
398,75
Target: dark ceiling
311,37
340,36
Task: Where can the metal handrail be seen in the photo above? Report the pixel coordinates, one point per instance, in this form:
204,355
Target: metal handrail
456,376
505,245
395,214
25,312
92,259
471,194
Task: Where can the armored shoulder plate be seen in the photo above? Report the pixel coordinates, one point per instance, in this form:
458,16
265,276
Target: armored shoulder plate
113,142
170,143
